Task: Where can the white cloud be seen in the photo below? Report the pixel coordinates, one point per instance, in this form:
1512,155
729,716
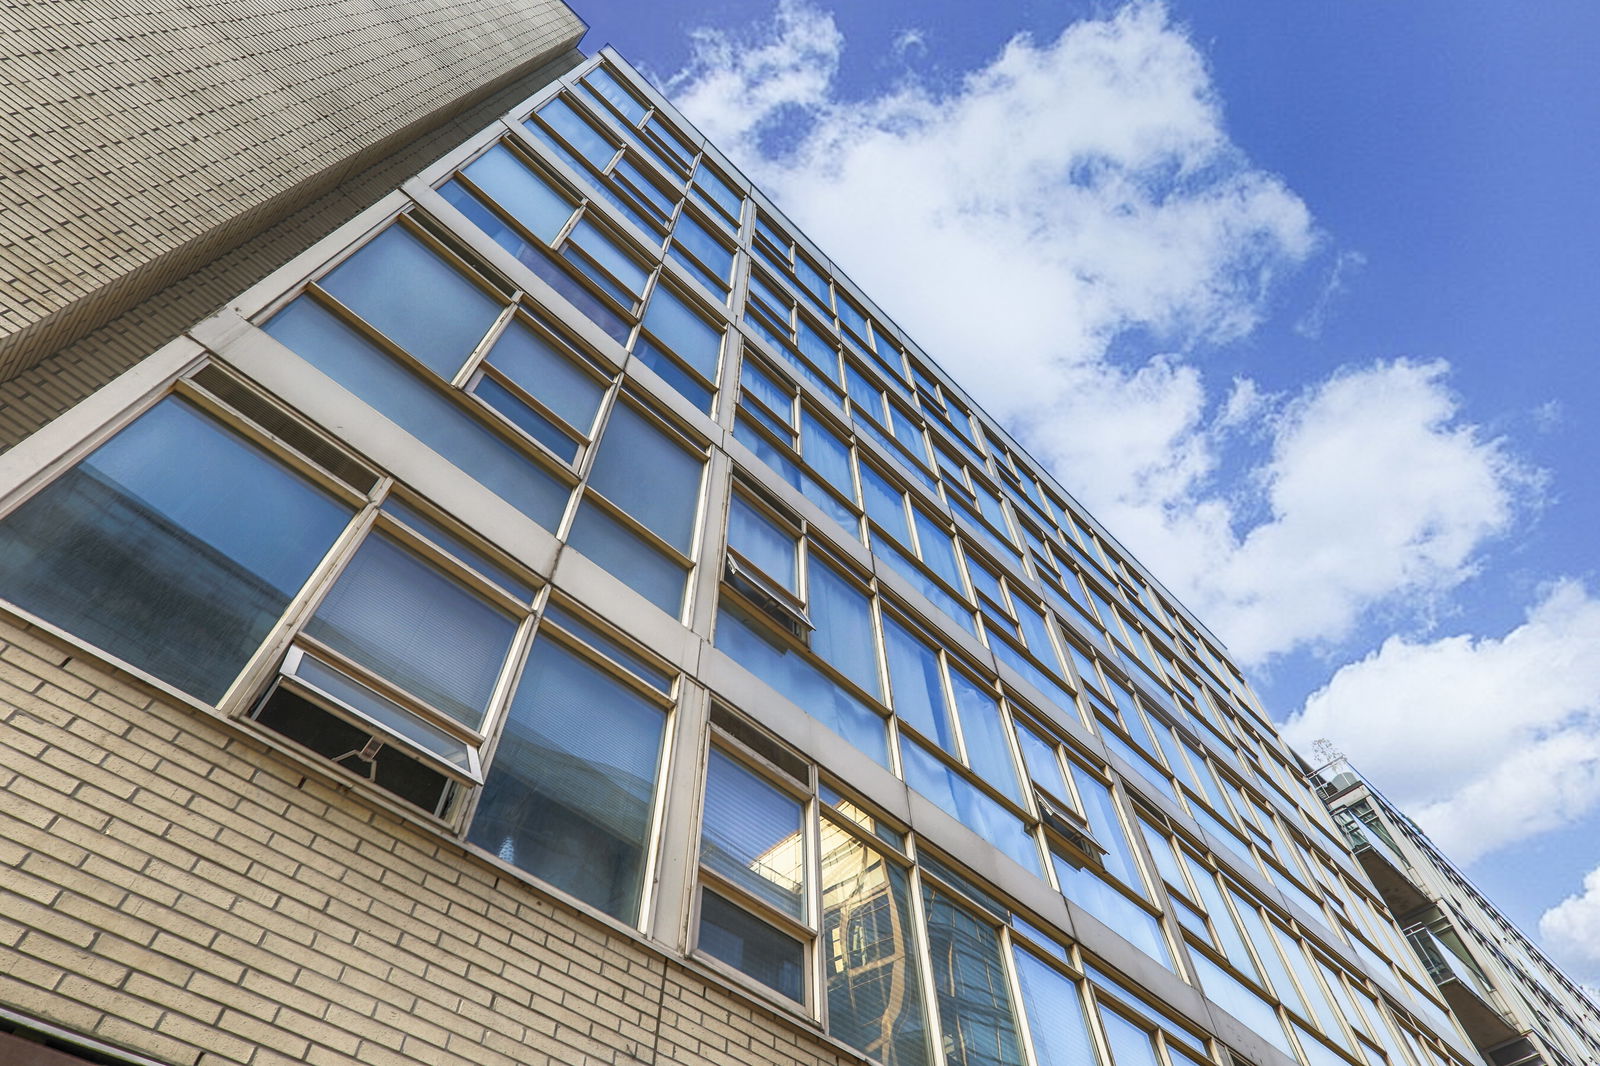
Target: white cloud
1510,726
1080,190
1571,929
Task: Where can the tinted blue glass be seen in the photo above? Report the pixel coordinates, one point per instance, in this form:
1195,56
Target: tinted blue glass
787,671
174,546
938,549
1039,755
672,372
525,195
605,251
765,389
1101,811
648,474
792,473
360,366
843,636
854,319
577,132
1054,1008
817,350
415,298
560,384
719,191
591,636
407,622
1111,907
867,397
602,81
569,793
988,753
660,203
885,504
692,338
954,609
455,546
917,684
526,418
538,260
960,799
763,542
752,946
641,566
825,453
706,248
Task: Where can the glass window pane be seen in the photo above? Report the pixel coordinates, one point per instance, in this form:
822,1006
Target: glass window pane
917,684
1119,913
672,372
768,391
970,981
689,336
964,802
763,542
539,260
617,652
543,371
564,119
987,751
603,250
457,547
525,418
602,81
825,453
407,622
1043,765
751,946
650,475
938,549
524,194
1101,811
415,298
175,546
751,835
843,618
317,336
885,504
1054,1010
569,795
640,565
869,958
1130,1045
706,248
789,672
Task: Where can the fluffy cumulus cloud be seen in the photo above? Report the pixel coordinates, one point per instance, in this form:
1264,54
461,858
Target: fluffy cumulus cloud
1510,724
1081,190
1571,929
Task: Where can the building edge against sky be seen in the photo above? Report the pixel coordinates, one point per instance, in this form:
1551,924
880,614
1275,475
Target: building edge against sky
555,616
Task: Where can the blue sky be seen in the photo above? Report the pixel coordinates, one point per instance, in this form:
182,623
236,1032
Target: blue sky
1298,299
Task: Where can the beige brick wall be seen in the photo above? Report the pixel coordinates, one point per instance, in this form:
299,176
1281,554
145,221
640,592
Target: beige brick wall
41,392
142,140
174,887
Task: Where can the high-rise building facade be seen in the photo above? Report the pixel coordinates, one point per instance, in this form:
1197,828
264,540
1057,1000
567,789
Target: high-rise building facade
558,617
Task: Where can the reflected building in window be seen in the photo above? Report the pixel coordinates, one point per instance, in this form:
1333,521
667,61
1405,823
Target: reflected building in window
556,615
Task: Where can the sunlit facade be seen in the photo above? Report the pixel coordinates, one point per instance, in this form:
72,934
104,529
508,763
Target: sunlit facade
559,617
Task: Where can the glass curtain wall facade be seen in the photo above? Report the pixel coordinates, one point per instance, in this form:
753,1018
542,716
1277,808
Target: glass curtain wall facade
570,506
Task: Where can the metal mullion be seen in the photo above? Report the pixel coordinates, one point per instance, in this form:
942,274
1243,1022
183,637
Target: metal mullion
241,425
479,276
489,370
652,538
481,351
389,690
458,570
263,663
744,898
468,405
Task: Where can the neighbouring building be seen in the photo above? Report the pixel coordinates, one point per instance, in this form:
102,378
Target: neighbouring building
550,614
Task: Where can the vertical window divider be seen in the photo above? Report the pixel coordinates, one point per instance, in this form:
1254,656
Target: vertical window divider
235,702
486,342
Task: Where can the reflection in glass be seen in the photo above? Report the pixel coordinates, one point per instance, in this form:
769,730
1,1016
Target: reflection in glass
751,834
415,299
1051,1001
868,954
763,542
569,795
410,624
970,980
174,546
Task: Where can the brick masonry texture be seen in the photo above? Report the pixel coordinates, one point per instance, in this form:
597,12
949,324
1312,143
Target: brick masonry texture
176,888
144,139
41,392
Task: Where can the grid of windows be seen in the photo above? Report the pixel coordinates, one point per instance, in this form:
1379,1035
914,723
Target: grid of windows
884,559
